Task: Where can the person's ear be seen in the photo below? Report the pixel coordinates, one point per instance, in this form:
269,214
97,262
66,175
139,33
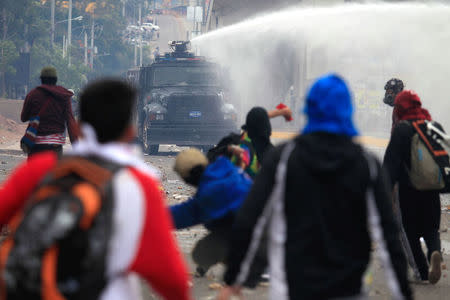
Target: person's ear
129,134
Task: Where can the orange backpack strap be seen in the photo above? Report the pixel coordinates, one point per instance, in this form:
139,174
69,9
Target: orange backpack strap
91,202
49,272
89,171
417,126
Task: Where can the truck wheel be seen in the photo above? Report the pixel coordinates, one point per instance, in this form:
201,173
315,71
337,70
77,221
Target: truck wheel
153,149
148,148
205,148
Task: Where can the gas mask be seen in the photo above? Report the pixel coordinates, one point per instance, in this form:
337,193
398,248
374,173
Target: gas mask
392,87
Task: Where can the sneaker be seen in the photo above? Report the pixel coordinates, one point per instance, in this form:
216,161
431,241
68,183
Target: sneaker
435,268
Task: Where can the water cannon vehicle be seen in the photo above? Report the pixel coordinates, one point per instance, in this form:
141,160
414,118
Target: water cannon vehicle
182,101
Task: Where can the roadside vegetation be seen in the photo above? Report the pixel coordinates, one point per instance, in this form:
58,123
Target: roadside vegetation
26,47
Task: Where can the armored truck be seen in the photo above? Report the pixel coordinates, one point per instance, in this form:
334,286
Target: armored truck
182,101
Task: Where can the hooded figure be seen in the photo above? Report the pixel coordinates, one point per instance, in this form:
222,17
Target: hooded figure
329,107
312,194
259,130
421,210
407,106
52,103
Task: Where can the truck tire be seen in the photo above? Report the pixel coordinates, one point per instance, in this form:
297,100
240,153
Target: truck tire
205,148
152,149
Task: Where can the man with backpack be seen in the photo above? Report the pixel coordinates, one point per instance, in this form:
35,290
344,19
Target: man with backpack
51,104
318,194
419,203
83,225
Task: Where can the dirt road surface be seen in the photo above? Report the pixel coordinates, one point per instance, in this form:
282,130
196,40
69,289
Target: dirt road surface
206,288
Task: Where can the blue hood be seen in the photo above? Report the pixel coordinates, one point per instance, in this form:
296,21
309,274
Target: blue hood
222,189
329,107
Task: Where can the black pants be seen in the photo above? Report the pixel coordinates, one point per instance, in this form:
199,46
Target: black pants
213,249
37,148
421,216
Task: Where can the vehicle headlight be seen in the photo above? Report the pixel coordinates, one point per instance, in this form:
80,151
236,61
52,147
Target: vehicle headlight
155,111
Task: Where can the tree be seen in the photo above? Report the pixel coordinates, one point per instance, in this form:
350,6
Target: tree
8,54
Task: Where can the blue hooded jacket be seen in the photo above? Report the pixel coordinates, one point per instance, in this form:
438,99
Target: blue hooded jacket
222,189
329,107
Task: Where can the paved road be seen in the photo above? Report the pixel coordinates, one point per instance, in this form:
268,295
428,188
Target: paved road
173,28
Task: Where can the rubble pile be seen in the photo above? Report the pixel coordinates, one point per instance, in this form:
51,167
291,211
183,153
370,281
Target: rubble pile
10,131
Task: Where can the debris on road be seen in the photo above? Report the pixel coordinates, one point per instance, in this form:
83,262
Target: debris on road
215,286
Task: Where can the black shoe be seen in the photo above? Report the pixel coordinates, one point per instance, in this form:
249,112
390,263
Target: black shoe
200,272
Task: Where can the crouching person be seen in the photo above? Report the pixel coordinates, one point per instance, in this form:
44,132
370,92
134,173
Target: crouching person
221,189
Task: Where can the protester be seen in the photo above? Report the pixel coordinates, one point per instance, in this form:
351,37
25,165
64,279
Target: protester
221,189
421,210
52,104
392,88
316,195
255,139
133,215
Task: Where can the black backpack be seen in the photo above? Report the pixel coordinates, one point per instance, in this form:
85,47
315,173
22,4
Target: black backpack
58,244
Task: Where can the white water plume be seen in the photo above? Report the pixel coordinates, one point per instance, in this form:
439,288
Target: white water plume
366,43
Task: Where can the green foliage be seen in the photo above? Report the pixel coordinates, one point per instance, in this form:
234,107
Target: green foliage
73,77
8,54
25,27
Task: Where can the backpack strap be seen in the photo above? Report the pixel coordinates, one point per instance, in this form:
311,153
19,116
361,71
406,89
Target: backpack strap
49,273
420,127
88,170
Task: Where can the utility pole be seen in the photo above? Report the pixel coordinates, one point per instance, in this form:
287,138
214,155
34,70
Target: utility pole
92,42
123,8
85,48
69,32
52,21
140,14
140,34
64,46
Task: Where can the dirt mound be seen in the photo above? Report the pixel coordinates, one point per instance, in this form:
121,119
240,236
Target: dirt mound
10,131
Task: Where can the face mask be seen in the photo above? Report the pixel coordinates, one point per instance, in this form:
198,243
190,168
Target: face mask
389,98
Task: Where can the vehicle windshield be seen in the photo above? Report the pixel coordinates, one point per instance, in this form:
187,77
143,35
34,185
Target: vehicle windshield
185,76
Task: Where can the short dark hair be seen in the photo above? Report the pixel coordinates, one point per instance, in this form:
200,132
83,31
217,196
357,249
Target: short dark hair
107,105
49,80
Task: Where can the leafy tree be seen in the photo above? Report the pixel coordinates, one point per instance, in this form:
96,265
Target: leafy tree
25,27
73,77
8,54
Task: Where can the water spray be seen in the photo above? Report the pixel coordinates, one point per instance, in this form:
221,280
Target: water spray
367,44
